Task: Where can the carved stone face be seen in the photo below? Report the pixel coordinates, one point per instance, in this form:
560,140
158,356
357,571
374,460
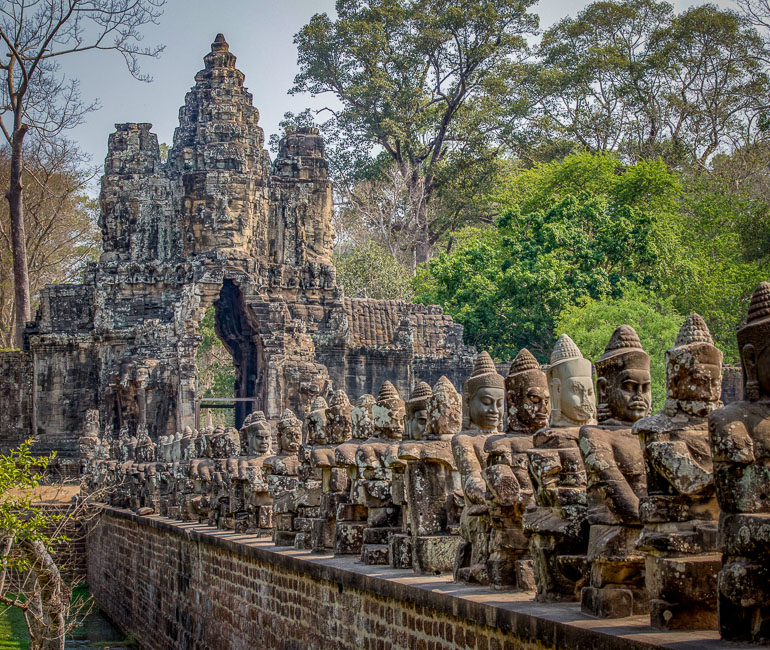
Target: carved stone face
577,399
486,407
529,401
445,410
572,391
629,394
694,379
291,437
417,425
261,439
316,427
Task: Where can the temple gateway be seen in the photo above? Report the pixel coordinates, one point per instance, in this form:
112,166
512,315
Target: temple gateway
216,224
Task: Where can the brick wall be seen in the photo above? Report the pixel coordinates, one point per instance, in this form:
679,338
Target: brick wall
178,585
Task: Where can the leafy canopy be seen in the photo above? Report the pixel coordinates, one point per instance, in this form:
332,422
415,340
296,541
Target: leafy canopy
591,323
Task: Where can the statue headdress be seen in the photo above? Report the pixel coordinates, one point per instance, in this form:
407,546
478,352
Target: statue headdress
418,400
756,332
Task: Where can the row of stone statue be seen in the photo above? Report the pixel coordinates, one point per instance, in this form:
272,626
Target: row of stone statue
522,483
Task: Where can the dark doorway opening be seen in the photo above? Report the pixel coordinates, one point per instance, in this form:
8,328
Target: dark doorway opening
240,338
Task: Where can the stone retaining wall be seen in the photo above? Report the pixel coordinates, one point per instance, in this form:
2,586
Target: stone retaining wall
178,585
15,398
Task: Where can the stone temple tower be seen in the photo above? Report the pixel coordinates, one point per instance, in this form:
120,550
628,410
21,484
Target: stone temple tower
218,224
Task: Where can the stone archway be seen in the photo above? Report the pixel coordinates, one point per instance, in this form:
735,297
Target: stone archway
239,335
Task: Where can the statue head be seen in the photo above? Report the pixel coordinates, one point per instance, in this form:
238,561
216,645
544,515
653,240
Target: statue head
527,395
445,410
316,422
693,370
416,422
257,430
338,424
91,424
361,417
289,432
754,345
484,396
388,413
623,383
571,385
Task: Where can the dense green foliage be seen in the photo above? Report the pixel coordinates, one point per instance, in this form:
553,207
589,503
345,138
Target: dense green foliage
590,228
590,323
216,374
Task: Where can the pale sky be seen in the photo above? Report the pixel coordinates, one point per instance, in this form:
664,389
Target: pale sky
260,34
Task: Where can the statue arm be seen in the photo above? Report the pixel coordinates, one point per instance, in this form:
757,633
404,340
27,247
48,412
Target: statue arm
730,439
672,459
603,472
469,466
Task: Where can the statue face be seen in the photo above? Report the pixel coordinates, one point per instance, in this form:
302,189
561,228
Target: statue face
700,382
530,401
291,438
262,440
629,396
316,428
577,399
417,425
486,407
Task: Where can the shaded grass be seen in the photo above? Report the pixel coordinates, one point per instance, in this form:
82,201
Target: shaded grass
13,630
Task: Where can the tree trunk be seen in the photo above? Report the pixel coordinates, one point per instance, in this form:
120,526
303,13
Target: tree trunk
419,193
48,605
22,305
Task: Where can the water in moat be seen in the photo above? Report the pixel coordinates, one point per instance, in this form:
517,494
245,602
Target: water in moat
97,631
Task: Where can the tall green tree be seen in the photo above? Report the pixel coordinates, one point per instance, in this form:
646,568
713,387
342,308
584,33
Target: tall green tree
507,285
432,83
634,77
591,322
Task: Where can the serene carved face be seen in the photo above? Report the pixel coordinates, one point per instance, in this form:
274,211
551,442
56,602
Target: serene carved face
577,399
529,401
291,438
262,439
486,407
629,394
417,425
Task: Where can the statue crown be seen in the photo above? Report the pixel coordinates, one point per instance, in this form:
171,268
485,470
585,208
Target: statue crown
523,362
318,404
421,391
339,399
387,392
565,350
759,309
694,330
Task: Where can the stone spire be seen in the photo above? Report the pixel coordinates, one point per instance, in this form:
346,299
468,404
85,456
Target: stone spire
220,55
